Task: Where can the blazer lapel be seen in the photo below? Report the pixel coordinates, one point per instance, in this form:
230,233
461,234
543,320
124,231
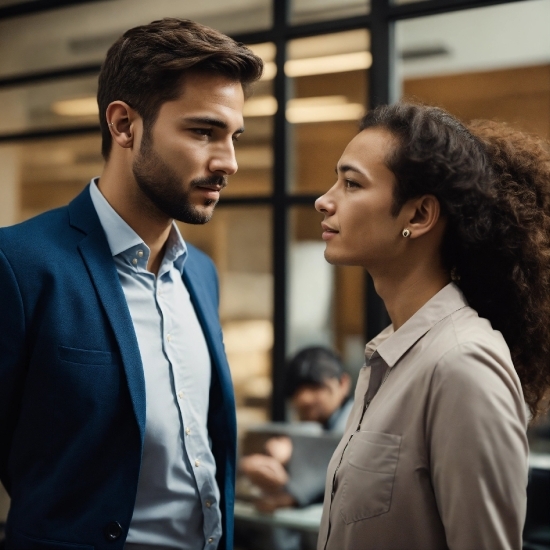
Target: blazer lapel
96,254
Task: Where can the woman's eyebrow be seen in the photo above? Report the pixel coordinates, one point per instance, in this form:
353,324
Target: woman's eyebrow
348,168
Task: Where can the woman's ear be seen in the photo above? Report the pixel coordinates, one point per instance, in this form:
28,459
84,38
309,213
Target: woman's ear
425,212
121,118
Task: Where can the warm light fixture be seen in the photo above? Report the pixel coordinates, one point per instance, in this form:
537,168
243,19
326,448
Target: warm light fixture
262,105
267,51
339,63
84,106
322,109
270,70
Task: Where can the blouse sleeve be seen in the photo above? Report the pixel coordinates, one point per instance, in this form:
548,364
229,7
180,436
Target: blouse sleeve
477,446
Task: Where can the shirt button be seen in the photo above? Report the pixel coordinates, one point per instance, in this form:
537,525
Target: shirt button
208,504
197,462
187,431
134,261
180,395
210,540
169,337
140,253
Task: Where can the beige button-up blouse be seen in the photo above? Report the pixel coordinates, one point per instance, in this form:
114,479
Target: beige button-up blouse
434,455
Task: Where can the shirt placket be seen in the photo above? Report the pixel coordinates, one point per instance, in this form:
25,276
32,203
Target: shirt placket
191,445
379,374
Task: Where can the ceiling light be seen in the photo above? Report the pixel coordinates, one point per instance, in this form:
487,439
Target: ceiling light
263,105
322,109
328,64
265,50
321,101
270,70
85,106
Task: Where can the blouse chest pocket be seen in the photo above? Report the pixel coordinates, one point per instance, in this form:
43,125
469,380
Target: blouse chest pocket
367,482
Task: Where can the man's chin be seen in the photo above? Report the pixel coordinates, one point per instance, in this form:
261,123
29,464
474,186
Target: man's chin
197,214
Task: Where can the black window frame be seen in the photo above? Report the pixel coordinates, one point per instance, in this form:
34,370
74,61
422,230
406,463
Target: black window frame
380,23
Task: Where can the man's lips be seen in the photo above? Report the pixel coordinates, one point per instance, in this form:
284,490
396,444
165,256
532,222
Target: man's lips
210,192
216,188
210,187
213,186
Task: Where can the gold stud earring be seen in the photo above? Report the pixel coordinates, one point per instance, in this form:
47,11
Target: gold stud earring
406,233
111,123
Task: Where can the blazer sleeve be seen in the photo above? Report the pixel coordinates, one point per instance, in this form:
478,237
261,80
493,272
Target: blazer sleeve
478,453
12,330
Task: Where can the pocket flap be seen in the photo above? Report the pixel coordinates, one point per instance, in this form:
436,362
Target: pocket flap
85,356
375,452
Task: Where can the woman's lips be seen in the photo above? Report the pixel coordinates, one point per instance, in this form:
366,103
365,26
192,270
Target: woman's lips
328,232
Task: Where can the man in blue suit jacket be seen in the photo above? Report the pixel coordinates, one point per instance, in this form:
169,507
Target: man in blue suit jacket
117,414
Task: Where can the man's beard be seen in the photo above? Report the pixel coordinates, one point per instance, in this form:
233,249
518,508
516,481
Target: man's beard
161,185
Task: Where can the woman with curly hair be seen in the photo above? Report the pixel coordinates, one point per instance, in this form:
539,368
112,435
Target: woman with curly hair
453,225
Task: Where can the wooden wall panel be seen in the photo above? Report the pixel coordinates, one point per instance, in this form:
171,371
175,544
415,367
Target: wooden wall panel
518,96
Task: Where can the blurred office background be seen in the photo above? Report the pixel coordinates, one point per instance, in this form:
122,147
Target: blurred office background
326,62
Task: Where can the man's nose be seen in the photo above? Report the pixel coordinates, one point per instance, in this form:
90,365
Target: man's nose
224,161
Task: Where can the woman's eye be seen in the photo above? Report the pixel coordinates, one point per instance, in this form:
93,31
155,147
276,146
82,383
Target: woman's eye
349,184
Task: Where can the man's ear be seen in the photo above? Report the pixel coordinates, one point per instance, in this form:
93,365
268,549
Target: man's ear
345,383
121,119
424,213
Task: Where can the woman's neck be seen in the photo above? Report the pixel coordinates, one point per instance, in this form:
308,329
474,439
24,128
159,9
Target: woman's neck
403,296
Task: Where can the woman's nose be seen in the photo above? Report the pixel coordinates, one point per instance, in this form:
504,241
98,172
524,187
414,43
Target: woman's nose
324,204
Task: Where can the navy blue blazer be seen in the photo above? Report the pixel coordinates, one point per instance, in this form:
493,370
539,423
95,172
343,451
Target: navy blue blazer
72,391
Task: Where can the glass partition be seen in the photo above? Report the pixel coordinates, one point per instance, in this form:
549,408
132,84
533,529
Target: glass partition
81,34
406,1
325,303
328,84
238,239
491,62
254,150
309,11
42,174
62,103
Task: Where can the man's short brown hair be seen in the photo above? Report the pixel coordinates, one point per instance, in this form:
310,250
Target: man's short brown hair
145,66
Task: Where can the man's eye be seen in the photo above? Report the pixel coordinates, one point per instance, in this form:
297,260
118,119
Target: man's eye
202,131
236,138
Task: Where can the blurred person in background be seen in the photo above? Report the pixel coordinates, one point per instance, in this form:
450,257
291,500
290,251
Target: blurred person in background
452,222
117,413
319,391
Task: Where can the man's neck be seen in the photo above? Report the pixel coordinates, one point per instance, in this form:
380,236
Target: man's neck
124,196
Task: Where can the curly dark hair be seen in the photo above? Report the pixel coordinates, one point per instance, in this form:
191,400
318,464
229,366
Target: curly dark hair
493,186
145,66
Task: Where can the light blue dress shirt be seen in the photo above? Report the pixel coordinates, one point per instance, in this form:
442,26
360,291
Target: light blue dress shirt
177,504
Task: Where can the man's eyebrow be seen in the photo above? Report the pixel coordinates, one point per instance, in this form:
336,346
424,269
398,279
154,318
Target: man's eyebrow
348,168
212,122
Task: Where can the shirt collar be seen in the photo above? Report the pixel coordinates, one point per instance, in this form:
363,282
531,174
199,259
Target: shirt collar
391,346
176,249
121,237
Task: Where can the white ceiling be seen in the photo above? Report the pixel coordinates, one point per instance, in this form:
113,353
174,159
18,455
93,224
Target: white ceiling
505,36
